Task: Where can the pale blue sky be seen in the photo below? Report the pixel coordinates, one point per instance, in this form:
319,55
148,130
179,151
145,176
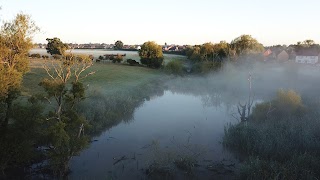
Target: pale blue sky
171,21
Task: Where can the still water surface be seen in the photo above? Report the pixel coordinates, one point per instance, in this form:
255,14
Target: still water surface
173,120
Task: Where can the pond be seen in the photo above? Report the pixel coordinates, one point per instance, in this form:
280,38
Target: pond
178,123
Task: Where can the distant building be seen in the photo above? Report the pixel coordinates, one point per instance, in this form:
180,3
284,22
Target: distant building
292,55
276,55
173,48
267,53
283,56
307,57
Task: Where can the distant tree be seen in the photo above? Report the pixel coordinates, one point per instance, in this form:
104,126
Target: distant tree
245,45
308,42
15,43
221,51
206,51
118,45
189,51
151,54
56,47
194,53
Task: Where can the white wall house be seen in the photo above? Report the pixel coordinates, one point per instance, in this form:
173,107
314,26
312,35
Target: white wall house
307,59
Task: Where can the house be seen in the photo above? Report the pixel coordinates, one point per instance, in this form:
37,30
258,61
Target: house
283,56
267,53
173,48
307,57
292,55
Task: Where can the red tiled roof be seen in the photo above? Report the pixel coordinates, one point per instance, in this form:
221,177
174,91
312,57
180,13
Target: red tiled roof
267,53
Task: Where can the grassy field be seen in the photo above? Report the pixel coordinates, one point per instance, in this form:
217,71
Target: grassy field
129,54
108,77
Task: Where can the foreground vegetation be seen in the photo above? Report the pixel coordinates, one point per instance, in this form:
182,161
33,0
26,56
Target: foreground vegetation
53,119
280,141
41,131
62,107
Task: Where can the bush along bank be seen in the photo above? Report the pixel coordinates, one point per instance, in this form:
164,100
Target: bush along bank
280,141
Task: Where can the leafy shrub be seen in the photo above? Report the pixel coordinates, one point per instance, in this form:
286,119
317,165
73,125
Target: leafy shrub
132,62
45,57
118,58
286,104
174,67
55,56
206,67
282,140
154,63
100,57
78,57
36,55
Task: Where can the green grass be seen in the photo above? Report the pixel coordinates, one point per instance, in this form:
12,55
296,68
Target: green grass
108,78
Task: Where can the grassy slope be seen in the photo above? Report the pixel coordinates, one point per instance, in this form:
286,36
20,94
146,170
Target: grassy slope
109,77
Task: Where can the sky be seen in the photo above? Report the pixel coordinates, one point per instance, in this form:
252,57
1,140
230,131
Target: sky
169,21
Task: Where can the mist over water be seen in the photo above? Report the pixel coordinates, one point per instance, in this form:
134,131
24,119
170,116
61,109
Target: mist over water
172,119
192,111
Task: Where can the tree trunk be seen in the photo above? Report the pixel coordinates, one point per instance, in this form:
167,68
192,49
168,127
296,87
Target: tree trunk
59,109
5,123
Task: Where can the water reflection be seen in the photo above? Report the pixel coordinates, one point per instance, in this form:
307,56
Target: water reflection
187,111
175,117
107,111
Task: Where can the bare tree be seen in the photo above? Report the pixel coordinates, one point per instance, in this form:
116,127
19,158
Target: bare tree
245,110
60,73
